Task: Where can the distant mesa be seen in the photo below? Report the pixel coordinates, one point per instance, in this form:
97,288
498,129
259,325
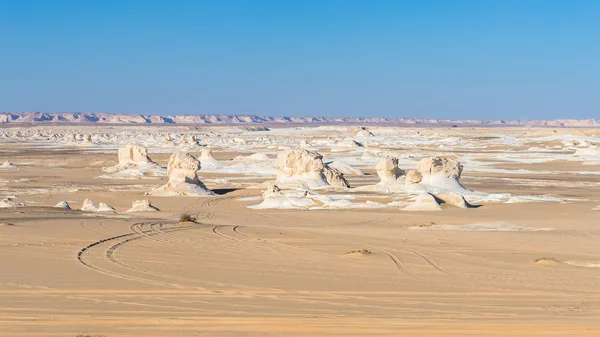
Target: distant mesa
109,118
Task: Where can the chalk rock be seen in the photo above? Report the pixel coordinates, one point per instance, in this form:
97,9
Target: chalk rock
8,165
102,207
134,161
189,140
424,202
207,161
413,177
388,171
271,191
273,197
142,206
454,199
183,179
63,205
591,151
307,167
8,202
444,167
364,133
88,206
440,173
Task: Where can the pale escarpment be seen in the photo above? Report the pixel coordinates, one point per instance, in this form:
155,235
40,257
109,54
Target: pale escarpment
110,118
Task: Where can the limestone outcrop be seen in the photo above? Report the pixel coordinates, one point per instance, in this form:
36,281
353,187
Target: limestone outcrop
300,166
183,179
142,206
389,172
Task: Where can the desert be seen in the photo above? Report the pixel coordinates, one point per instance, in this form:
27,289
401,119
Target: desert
337,229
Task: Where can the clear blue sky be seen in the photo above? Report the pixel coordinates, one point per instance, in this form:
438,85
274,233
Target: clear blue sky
482,59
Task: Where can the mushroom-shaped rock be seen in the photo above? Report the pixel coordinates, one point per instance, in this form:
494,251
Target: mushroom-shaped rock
388,171
440,173
424,202
183,179
307,167
142,206
63,205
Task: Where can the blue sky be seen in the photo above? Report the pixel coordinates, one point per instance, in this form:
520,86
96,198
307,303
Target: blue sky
527,59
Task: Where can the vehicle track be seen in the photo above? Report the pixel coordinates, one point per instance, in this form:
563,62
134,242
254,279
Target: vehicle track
84,259
428,260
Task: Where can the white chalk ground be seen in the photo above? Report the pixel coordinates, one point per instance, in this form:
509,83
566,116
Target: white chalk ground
482,227
587,264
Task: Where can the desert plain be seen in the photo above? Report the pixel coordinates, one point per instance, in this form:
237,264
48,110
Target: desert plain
299,231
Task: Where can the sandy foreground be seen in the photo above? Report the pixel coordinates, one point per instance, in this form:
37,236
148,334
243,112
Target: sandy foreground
528,268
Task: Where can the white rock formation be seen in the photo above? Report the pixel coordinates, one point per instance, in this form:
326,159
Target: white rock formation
590,151
300,166
88,206
424,202
132,157
63,205
207,161
413,177
142,206
272,190
183,179
102,207
87,139
364,133
8,165
134,162
189,140
8,202
273,197
388,171
454,199
440,174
